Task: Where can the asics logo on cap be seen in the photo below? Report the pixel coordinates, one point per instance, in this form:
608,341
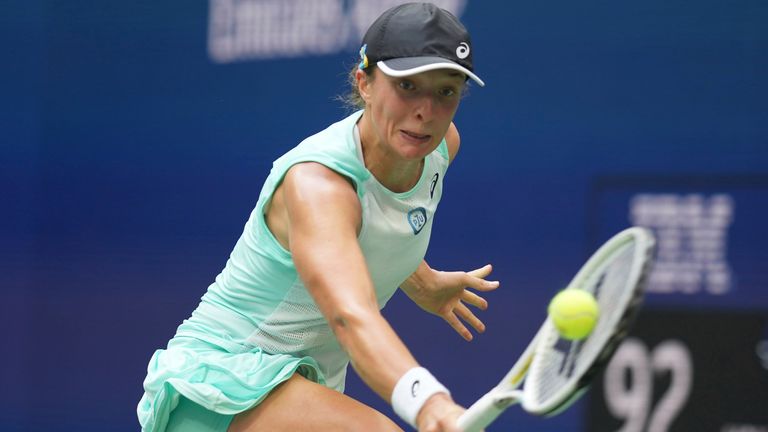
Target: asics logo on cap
462,51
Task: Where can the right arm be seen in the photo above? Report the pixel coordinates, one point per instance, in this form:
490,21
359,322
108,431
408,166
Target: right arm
323,218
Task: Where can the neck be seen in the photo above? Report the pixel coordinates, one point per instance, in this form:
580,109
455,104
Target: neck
393,172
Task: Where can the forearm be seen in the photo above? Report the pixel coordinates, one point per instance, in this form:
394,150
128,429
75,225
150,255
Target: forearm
376,352
336,276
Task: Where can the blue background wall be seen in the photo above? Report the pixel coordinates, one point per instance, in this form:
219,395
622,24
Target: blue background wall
131,156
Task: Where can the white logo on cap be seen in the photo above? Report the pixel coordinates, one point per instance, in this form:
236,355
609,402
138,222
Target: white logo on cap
462,51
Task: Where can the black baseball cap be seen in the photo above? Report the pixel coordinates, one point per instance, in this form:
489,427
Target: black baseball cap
417,37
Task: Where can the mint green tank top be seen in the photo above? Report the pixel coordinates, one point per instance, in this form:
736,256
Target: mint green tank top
258,300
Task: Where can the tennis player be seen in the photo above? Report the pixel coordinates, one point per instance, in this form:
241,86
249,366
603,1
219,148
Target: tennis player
342,221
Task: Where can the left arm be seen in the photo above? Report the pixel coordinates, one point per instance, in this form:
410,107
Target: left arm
445,294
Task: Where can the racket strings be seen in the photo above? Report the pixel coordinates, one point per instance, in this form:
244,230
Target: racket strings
560,365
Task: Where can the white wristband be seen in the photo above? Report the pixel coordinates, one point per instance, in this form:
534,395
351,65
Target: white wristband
412,391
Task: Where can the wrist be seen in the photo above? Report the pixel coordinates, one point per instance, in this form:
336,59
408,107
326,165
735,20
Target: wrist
412,392
417,278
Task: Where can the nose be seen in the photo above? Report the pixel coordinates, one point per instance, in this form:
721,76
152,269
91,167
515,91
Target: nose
425,108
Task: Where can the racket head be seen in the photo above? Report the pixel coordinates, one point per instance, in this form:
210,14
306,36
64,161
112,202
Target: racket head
616,275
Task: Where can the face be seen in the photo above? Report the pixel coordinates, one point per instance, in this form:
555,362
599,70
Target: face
409,116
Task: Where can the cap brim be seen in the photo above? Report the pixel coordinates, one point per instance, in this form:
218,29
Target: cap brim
406,66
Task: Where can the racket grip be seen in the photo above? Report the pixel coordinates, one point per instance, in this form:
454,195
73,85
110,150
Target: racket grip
484,411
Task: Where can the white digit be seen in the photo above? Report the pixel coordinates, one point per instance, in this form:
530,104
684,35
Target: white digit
629,384
631,400
671,356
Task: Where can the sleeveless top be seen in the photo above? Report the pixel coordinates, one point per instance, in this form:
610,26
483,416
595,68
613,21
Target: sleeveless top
258,300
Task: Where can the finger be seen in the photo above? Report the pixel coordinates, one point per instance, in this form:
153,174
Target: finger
447,426
480,284
477,280
449,423
474,299
466,314
482,272
457,325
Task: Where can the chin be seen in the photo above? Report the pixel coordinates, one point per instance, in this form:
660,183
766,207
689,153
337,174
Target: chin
410,151
416,154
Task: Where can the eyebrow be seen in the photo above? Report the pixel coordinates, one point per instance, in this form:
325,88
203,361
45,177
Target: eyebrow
457,74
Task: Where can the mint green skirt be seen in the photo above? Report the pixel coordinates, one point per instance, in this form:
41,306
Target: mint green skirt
191,417
217,380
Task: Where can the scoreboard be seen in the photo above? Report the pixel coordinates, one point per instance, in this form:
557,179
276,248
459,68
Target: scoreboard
697,357
686,371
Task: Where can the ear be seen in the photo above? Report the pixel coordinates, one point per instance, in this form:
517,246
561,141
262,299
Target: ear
363,85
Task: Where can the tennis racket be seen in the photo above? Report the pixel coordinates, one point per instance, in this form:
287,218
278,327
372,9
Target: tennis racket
556,371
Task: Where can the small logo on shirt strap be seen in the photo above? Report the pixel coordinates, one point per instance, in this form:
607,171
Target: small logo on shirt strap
432,186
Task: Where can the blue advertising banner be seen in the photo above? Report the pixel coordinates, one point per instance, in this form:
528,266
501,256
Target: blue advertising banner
136,136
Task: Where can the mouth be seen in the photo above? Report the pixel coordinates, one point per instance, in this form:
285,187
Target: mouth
413,136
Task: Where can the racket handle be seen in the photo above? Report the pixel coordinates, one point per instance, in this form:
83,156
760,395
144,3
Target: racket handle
486,409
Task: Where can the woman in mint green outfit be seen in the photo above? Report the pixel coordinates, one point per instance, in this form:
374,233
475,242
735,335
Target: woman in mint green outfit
342,221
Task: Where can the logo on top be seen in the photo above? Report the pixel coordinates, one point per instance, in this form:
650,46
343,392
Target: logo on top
417,218
432,186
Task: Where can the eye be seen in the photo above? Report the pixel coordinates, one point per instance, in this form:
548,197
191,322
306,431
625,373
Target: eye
406,85
447,92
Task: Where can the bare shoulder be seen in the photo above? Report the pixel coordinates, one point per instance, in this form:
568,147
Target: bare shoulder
453,140
312,189
317,178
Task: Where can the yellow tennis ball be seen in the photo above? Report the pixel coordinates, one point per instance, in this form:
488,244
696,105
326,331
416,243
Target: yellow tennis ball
574,313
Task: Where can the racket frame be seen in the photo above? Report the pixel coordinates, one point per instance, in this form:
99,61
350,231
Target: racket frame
486,409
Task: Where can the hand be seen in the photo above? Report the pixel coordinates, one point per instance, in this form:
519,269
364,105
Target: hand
445,294
439,414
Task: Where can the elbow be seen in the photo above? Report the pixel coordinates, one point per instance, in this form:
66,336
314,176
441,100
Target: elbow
350,323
